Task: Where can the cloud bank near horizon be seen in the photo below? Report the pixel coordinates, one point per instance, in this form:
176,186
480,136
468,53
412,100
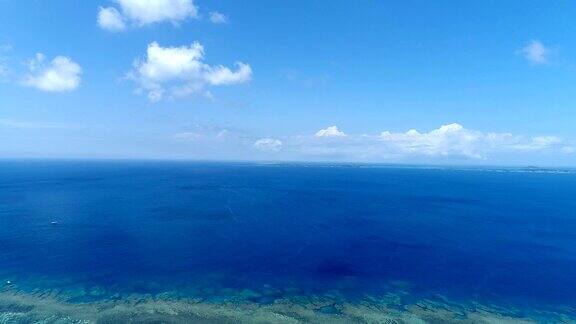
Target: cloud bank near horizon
447,142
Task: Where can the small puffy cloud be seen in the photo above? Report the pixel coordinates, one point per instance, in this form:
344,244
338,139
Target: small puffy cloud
110,19
180,71
221,75
218,18
59,75
535,52
268,145
145,12
331,131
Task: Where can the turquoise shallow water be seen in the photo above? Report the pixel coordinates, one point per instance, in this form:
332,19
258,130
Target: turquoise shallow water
325,236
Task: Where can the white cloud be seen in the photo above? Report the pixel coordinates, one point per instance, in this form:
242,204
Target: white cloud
218,18
145,12
331,131
268,145
455,140
450,141
60,75
110,19
221,75
181,71
447,140
150,11
535,52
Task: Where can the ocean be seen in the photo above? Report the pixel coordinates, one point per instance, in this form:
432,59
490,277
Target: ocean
153,241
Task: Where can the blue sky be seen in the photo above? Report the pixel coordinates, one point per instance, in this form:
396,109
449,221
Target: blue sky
480,82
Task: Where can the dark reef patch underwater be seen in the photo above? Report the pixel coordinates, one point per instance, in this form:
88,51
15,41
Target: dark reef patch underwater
181,242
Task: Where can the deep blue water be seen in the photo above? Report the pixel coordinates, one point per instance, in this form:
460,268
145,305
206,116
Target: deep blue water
153,226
